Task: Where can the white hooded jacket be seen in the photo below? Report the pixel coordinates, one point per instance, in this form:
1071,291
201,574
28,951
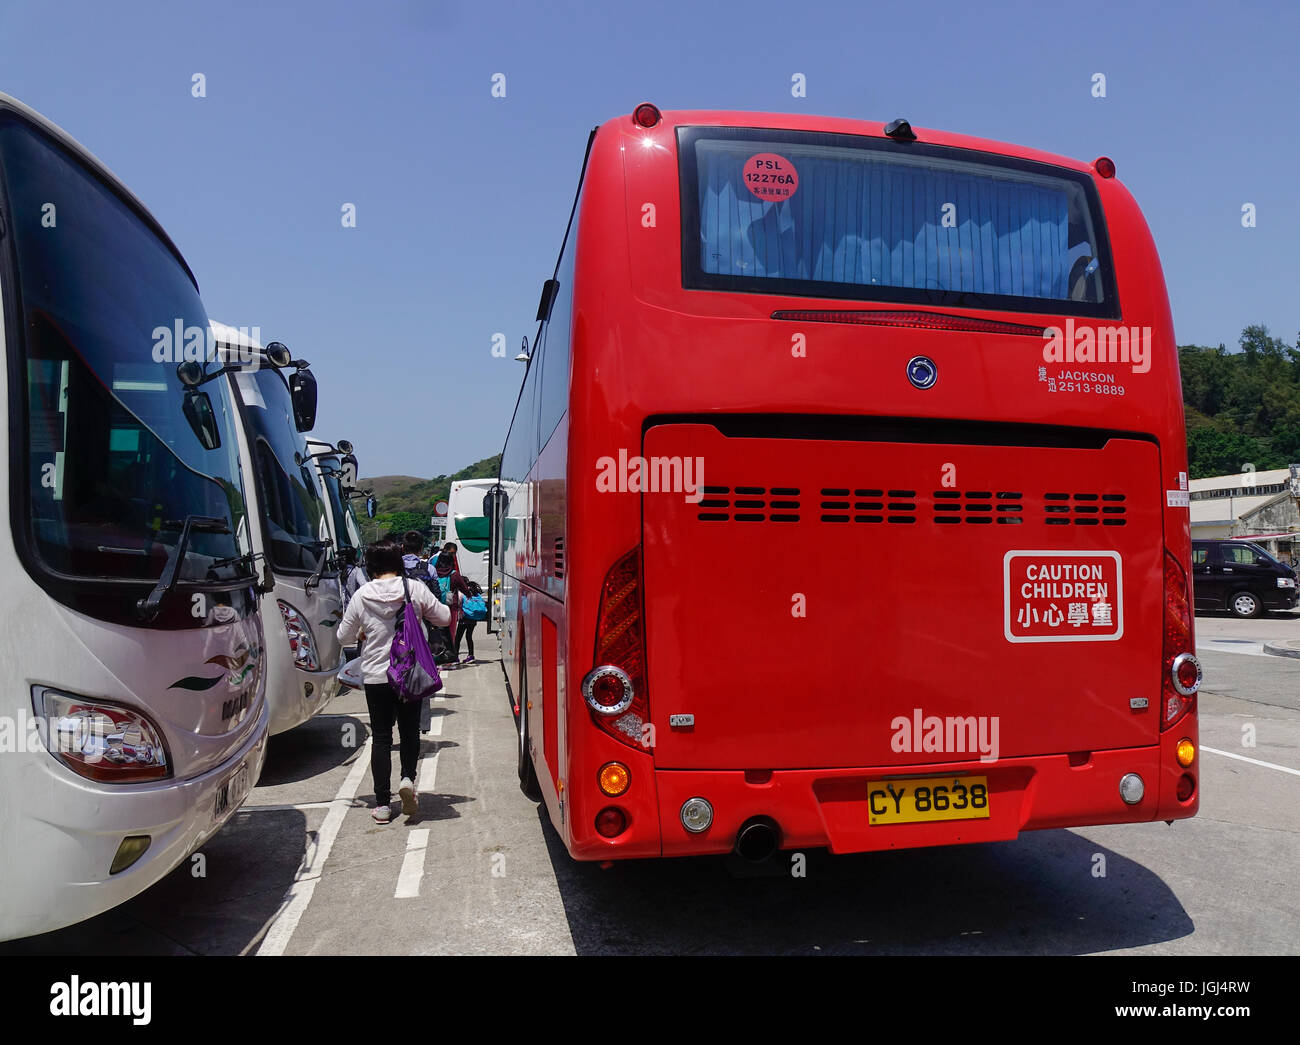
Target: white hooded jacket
371,616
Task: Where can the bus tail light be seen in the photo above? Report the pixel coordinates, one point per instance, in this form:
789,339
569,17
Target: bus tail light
1182,671
614,779
611,822
646,115
102,741
616,689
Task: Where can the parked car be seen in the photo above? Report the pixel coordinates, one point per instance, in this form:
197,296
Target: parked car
1241,577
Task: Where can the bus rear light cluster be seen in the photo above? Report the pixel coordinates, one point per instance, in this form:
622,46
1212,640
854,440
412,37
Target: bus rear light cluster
616,690
102,741
1182,671
301,642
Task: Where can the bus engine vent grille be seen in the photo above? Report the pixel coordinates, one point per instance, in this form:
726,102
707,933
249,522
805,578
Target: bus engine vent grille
845,504
979,507
749,504
559,557
1084,509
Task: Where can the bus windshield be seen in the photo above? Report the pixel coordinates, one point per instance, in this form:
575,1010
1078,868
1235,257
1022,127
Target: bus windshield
291,505
835,215
108,466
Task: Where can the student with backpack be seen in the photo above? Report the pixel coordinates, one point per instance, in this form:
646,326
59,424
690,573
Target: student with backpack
371,619
446,570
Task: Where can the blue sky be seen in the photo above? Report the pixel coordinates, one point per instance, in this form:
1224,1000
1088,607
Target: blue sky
462,198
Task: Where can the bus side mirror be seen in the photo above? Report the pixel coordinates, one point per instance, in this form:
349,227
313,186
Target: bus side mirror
302,390
202,419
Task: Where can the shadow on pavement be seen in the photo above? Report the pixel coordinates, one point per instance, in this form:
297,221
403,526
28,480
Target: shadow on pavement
1036,895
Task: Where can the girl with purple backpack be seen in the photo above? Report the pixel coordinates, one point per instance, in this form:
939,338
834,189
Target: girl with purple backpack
371,617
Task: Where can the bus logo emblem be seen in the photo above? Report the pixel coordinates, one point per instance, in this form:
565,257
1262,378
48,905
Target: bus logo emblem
922,372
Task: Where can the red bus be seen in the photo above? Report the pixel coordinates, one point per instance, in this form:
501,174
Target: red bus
844,503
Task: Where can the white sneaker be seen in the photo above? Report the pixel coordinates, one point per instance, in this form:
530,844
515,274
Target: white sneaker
382,814
407,793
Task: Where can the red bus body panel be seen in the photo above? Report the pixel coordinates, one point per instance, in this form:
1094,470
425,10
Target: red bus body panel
794,714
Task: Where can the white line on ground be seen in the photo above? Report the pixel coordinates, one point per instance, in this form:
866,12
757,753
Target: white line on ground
1252,761
294,904
408,879
1254,649
282,808
428,773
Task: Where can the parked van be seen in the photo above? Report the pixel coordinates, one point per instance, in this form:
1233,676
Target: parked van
1241,577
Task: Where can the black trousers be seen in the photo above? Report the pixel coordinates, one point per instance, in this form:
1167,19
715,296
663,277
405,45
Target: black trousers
465,627
386,708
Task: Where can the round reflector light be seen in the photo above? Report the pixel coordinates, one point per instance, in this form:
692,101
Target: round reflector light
1186,674
646,115
1186,752
697,815
608,690
1186,787
1104,166
1131,789
610,822
614,778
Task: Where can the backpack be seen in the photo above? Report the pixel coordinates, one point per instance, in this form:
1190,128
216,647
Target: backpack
420,572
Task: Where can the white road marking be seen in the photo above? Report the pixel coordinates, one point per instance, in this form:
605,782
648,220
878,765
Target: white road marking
1252,761
1255,649
286,806
408,879
294,904
428,773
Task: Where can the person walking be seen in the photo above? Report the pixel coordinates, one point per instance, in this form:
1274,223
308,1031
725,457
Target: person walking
371,619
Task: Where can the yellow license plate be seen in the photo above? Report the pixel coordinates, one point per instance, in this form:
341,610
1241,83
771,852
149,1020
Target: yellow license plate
921,799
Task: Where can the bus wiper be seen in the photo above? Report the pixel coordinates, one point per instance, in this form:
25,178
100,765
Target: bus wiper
248,561
325,548
150,607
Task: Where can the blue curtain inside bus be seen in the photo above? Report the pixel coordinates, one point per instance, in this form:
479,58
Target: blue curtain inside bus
882,223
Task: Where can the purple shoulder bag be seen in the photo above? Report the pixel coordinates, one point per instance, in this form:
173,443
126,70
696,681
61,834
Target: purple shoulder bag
411,668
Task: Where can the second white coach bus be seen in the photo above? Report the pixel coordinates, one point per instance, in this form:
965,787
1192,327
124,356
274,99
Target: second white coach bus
290,525
133,722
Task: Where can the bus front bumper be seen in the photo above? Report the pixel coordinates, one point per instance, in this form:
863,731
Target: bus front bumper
71,828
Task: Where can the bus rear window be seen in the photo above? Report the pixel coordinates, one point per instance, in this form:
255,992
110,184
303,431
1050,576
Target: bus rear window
843,216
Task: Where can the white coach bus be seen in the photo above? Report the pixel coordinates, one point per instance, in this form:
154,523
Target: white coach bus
467,526
133,723
290,524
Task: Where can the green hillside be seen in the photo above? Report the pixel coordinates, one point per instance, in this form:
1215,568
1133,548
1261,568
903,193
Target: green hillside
406,502
1242,407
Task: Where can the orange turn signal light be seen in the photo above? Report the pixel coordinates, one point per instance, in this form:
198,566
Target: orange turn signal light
1186,752
614,779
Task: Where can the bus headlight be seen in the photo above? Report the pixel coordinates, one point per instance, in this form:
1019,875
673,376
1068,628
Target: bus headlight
301,642
101,740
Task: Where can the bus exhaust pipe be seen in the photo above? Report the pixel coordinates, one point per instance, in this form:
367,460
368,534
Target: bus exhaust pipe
758,839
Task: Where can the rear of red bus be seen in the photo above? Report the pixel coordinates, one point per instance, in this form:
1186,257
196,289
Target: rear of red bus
866,548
